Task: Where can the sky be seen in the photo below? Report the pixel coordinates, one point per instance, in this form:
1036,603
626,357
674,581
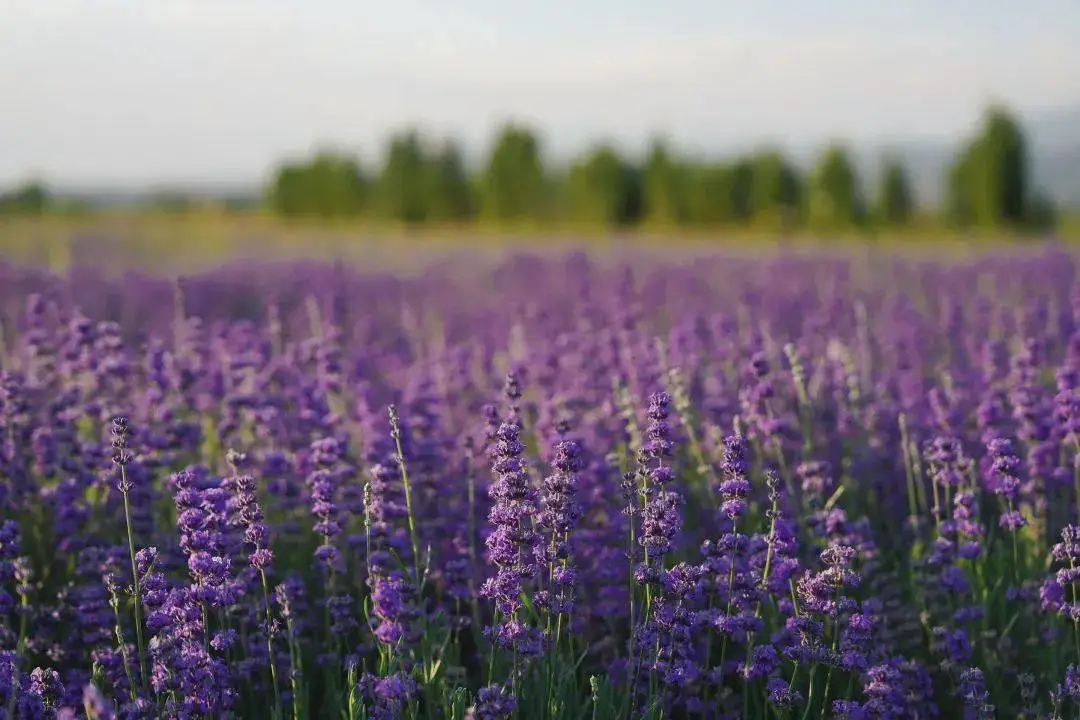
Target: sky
123,92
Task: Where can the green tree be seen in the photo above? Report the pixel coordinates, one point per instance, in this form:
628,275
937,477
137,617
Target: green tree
895,205
833,201
330,185
1000,172
604,190
336,187
449,195
959,187
513,185
402,186
664,191
285,193
710,194
774,191
742,189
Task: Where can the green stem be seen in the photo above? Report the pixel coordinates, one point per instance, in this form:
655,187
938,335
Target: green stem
413,537
141,647
270,647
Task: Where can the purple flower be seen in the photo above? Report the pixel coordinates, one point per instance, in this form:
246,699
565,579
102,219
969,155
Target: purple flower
1058,593
201,516
122,455
195,681
781,694
816,479
493,702
95,704
559,516
945,455
1072,682
323,482
976,698
393,607
1004,469
822,592
658,444
386,698
735,486
1004,481
248,515
46,685
968,529
386,512
512,543
661,516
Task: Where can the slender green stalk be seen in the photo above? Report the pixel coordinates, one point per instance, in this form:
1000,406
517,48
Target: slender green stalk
270,645
140,644
810,692
114,602
430,663
295,661
395,431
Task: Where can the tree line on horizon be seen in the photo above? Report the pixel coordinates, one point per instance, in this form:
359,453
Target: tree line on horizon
425,181
420,181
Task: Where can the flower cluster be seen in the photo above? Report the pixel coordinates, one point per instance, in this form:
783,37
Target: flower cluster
512,543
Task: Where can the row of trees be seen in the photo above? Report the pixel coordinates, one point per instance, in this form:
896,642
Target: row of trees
423,181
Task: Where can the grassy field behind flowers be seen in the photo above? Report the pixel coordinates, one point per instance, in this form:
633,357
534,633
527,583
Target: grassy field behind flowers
547,487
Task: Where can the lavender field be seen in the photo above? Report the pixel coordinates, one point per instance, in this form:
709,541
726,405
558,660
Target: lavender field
556,488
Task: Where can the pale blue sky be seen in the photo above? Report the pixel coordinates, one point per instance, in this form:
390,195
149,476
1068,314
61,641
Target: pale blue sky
130,91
